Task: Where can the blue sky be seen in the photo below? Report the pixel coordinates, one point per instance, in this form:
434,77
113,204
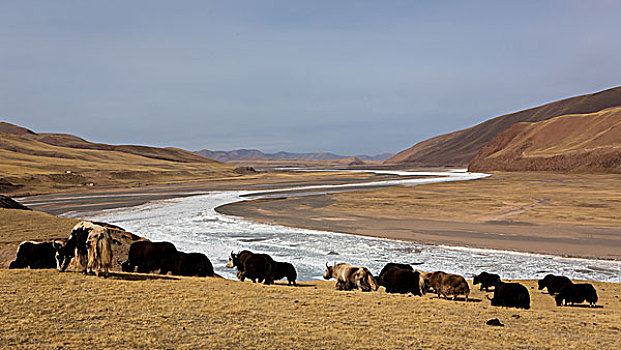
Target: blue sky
348,77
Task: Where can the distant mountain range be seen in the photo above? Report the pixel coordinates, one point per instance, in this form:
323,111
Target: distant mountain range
254,154
586,137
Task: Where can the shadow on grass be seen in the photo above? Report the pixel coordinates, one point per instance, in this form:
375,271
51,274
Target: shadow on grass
140,276
461,299
586,306
297,285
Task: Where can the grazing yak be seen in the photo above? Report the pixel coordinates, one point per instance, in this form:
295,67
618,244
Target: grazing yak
279,270
99,247
511,295
554,283
253,266
577,293
36,255
146,256
422,285
399,280
486,280
75,246
350,277
449,284
396,265
192,264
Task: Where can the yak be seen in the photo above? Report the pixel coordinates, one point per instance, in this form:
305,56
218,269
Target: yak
397,265
279,270
577,293
449,284
35,255
511,295
422,285
192,264
146,256
398,280
99,247
554,283
486,280
350,277
75,246
253,266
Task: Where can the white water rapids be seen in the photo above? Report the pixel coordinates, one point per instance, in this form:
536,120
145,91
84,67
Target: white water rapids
193,225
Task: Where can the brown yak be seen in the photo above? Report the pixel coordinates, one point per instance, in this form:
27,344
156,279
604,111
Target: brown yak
350,277
99,250
449,284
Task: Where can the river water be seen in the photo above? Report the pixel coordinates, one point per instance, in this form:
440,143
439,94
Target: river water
193,225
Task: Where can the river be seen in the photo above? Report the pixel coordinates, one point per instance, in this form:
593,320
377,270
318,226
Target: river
193,225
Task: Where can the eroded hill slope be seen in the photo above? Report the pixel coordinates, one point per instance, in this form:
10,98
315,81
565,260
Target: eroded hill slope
460,147
579,142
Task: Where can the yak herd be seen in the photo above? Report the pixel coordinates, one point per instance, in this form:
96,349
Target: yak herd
90,246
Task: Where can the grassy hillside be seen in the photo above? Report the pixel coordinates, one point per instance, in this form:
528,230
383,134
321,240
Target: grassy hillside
54,162
581,142
45,309
460,147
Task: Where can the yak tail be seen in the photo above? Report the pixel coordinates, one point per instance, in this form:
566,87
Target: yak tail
372,281
104,252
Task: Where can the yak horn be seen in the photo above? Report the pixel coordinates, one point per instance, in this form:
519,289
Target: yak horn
327,264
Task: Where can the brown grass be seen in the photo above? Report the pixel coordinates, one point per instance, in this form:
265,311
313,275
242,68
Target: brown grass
21,225
536,198
24,225
45,309
31,166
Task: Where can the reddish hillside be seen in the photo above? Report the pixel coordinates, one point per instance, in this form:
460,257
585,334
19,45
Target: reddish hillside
584,143
460,147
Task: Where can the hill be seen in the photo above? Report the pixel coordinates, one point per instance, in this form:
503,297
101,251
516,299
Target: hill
460,147
578,142
235,156
46,162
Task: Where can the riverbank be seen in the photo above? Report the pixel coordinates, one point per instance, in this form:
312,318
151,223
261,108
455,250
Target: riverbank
558,214
97,199
50,310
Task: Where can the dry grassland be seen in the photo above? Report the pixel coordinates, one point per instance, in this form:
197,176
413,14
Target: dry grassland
25,225
44,309
511,197
33,167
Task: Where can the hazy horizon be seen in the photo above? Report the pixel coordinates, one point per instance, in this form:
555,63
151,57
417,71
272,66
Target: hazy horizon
348,78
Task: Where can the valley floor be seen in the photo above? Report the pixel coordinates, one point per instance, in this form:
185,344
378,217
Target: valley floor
561,214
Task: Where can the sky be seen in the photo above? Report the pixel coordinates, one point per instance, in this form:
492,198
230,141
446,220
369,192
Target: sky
349,77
